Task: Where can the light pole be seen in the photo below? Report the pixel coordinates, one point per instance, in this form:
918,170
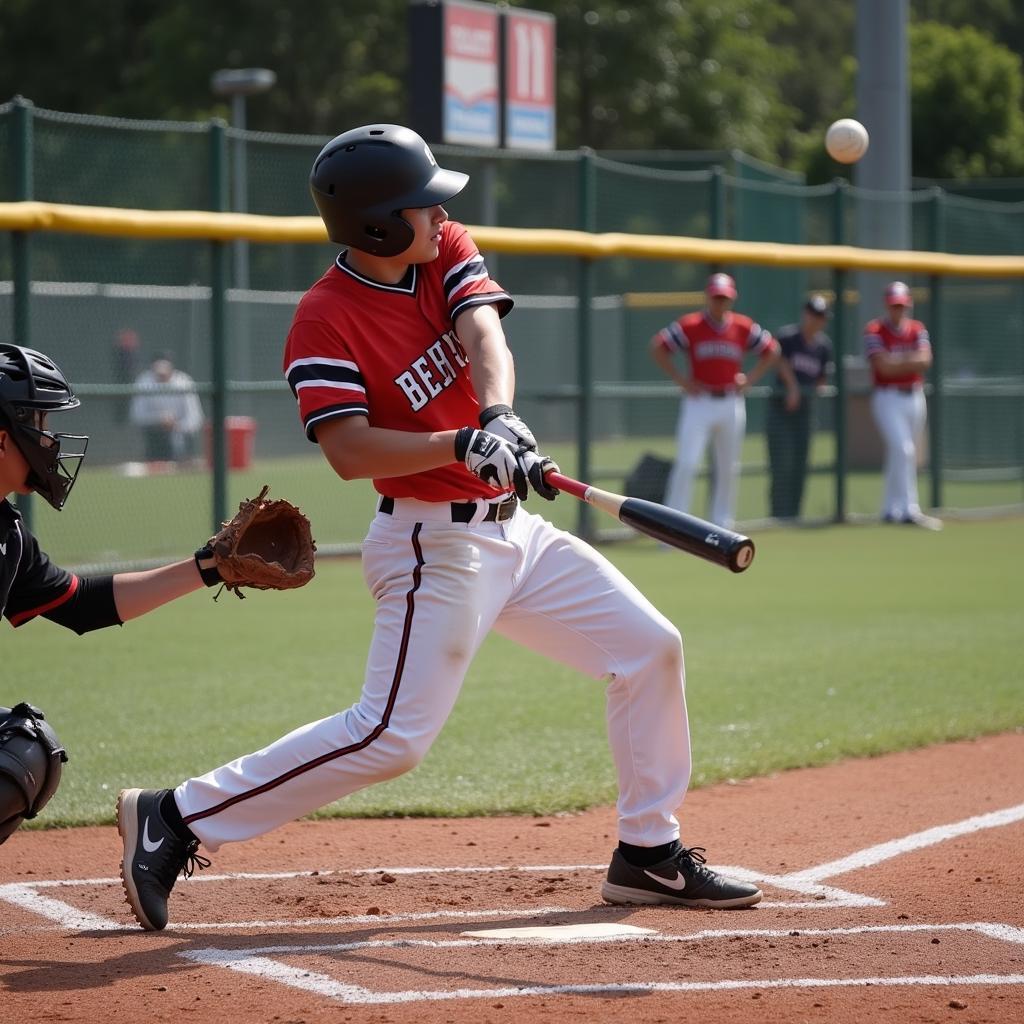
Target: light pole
239,84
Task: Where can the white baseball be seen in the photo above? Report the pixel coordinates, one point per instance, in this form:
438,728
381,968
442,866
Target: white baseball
846,140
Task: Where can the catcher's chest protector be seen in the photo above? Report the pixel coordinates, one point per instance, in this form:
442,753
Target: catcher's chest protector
30,765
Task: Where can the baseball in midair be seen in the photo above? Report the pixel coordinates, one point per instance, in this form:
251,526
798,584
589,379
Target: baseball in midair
846,140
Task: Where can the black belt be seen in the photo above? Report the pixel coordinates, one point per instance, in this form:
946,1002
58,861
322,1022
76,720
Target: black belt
463,511
903,389
720,392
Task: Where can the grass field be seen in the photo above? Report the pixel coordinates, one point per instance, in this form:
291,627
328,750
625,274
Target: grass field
837,642
113,518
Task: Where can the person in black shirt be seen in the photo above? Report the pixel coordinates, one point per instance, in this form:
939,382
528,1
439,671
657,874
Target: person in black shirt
35,459
802,370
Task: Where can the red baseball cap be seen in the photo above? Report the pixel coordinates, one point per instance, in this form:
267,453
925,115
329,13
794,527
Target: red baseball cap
898,294
721,284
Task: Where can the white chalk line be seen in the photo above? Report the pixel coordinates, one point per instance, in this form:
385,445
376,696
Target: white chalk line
897,847
327,987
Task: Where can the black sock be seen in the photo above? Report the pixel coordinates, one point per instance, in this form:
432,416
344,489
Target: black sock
645,856
170,813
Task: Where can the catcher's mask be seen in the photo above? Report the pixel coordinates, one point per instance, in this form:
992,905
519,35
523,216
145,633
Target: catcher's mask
363,178
31,386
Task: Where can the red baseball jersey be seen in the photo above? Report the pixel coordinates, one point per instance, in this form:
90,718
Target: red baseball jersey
881,336
389,352
716,350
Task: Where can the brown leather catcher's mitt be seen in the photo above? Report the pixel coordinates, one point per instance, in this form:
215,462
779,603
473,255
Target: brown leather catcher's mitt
267,545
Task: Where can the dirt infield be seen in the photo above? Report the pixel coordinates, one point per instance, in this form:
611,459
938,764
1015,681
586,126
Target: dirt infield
893,890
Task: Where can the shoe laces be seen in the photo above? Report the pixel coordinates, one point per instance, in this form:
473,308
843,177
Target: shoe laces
193,860
695,860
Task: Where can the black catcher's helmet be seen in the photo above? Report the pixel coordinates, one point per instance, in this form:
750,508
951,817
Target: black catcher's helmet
32,385
364,177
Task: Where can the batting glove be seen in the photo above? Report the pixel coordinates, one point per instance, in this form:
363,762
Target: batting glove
502,421
492,459
534,466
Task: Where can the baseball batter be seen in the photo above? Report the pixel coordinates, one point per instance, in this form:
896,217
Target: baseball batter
716,341
401,372
899,352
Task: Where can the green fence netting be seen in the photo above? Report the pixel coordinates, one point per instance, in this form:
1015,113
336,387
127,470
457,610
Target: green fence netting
86,291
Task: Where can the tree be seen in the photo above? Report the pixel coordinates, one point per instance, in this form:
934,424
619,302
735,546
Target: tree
966,94
671,75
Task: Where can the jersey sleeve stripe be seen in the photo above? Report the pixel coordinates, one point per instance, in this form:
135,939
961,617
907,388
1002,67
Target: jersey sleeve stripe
320,383
30,613
332,412
328,373
458,268
500,299
759,339
463,274
674,336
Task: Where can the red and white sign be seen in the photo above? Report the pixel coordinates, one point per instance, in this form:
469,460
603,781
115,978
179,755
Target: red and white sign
470,73
529,79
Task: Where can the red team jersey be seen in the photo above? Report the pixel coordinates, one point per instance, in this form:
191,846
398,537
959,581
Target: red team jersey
716,350
389,352
881,336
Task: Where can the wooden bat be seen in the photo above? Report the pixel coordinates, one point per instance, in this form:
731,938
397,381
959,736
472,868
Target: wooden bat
688,533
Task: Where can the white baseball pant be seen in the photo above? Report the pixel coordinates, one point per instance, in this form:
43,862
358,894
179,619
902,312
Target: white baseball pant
900,416
723,420
440,587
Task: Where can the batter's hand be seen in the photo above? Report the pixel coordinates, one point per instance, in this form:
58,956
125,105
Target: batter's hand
502,421
492,459
535,465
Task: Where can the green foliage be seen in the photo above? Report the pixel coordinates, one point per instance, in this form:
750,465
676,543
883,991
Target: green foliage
700,75
763,76
966,96
846,641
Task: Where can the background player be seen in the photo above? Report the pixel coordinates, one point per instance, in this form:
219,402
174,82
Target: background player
35,459
402,374
900,353
805,361
716,340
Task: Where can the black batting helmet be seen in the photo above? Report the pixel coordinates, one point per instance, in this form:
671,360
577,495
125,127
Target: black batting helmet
364,177
32,385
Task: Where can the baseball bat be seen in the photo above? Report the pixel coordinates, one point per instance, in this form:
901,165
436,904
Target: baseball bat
695,536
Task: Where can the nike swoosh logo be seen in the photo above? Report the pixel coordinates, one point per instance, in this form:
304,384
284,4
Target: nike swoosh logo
678,883
147,844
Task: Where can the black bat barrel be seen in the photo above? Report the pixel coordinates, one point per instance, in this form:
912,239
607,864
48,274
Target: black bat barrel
689,533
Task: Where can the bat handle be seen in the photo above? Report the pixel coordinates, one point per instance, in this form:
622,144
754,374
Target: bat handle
566,483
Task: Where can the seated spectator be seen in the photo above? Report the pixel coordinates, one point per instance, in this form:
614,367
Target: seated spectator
168,410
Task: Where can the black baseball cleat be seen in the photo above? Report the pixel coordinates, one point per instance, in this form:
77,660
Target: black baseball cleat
682,879
153,856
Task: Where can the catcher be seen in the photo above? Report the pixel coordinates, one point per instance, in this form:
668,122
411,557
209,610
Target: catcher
267,546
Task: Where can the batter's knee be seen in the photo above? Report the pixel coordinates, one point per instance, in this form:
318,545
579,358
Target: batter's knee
659,646
400,754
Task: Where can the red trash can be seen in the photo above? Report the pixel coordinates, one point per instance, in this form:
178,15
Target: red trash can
241,433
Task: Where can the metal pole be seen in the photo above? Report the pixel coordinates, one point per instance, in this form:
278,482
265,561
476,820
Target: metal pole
937,407
584,293
242,348
241,189
21,246
218,323
838,332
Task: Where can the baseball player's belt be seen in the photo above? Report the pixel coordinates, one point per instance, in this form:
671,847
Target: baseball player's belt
463,511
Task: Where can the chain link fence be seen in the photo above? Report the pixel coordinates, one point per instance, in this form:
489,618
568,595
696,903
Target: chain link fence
86,292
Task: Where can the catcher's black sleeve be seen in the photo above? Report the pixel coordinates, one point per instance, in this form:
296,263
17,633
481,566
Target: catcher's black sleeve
90,607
